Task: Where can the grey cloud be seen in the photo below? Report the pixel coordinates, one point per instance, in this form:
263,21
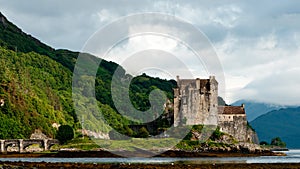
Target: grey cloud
279,88
68,24
63,24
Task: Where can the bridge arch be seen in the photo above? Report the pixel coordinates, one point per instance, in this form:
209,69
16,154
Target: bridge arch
27,143
11,143
46,144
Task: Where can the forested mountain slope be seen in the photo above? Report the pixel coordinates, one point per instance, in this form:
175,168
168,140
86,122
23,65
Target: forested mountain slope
36,87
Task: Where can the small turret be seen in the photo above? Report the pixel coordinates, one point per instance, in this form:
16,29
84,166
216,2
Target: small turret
243,105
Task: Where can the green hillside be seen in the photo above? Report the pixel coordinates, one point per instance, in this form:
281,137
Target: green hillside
13,38
283,123
36,93
36,86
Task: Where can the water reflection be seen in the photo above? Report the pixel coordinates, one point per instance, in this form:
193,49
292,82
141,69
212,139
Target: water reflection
293,156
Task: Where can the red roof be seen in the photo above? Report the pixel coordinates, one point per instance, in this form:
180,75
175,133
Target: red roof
231,110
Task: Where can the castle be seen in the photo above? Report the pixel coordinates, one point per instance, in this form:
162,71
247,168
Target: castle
196,102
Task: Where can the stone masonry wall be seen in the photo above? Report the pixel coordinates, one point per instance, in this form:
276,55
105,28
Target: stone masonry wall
213,102
196,101
237,127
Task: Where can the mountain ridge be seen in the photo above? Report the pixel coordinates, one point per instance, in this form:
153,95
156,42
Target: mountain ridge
283,123
255,109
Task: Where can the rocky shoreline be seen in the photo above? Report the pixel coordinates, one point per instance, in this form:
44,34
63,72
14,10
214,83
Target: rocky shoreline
249,149
238,152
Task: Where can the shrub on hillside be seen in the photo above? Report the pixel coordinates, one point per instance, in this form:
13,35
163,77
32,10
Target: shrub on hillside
143,133
65,133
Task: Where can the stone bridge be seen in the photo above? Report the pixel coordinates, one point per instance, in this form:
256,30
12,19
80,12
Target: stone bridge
22,144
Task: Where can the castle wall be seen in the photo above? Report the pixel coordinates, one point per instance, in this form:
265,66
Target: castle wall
176,107
236,125
213,102
196,102
229,118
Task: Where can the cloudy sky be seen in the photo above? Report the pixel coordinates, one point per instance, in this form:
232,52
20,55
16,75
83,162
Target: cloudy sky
257,43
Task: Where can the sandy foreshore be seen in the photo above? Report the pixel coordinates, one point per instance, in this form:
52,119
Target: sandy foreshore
43,165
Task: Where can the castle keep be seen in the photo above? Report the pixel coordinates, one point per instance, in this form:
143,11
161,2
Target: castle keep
196,102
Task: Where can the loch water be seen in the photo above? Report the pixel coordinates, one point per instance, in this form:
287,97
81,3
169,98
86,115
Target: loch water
292,156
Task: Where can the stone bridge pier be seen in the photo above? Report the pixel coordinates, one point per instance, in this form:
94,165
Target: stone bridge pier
22,144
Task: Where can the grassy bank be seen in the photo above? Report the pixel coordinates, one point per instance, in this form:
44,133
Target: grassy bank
117,145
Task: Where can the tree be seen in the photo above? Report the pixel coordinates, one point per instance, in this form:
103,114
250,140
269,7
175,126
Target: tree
278,142
128,131
217,134
143,133
65,133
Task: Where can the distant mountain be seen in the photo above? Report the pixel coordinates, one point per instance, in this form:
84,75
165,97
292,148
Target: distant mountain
284,123
256,109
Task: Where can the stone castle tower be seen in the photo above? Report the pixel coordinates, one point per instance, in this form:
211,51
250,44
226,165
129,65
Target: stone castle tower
196,101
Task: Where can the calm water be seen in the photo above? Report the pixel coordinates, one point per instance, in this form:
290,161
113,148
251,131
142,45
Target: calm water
293,156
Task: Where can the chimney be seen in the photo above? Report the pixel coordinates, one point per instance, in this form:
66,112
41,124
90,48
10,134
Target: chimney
177,77
198,83
212,77
178,80
243,105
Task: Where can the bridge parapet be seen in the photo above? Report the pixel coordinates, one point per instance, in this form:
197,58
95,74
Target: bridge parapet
24,143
